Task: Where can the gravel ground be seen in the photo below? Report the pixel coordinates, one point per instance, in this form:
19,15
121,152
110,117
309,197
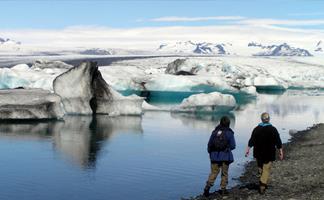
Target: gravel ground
299,176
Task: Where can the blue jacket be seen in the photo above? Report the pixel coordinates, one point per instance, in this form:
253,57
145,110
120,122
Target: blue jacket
222,155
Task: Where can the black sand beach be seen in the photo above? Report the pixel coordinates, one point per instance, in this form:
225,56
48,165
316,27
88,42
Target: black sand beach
298,176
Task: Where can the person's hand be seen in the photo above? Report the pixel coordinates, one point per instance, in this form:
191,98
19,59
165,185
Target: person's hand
281,154
247,152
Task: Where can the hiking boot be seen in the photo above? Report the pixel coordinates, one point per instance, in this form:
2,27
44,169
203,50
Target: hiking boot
206,191
262,188
223,192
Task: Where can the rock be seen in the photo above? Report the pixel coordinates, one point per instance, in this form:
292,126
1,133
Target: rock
29,104
84,91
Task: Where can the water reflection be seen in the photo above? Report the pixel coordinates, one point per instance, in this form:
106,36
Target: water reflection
141,152
202,121
29,129
78,138
81,137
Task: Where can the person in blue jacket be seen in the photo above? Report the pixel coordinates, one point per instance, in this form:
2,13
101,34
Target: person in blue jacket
220,146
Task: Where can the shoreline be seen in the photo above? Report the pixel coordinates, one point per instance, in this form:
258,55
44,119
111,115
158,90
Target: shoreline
298,176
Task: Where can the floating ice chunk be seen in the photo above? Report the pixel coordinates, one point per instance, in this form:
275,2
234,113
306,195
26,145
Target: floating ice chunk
84,91
29,104
23,76
249,90
43,64
211,102
263,82
10,79
182,67
166,82
148,107
121,105
21,67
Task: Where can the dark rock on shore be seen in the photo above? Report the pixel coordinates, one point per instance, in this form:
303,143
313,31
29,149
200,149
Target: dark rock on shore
299,176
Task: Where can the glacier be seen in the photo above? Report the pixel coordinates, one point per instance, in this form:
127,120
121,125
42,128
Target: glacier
158,78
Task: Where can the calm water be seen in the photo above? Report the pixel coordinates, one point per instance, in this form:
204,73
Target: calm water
157,156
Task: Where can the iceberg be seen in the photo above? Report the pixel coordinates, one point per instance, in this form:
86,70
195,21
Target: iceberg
269,83
29,104
214,102
84,91
23,76
162,79
46,64
179,67
148,107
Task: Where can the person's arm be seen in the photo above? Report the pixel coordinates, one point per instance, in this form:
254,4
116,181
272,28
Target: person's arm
232,141
281,154
209,146
279,145
247,151
250,143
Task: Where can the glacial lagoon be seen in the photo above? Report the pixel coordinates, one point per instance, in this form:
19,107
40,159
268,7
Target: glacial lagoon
159,156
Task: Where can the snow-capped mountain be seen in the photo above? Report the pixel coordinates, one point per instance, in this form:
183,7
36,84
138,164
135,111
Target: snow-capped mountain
111,51
319,46
209,48
278,50
97,51
190,47
8,44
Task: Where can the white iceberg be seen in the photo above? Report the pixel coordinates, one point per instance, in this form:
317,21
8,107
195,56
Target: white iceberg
211,102
263,82
29,104
23,76
43,64
148,107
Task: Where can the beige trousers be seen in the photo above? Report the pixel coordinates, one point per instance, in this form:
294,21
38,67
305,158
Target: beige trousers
215,169
264,171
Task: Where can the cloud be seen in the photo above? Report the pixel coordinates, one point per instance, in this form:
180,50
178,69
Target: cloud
238,30
152,37
265,22
194,19
240,20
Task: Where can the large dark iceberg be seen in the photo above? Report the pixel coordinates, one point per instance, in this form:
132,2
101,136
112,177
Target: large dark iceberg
84,91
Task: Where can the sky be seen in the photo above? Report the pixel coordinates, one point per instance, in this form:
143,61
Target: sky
133,23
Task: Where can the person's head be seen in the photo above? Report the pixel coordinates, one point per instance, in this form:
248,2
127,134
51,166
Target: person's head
265,117
225,121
